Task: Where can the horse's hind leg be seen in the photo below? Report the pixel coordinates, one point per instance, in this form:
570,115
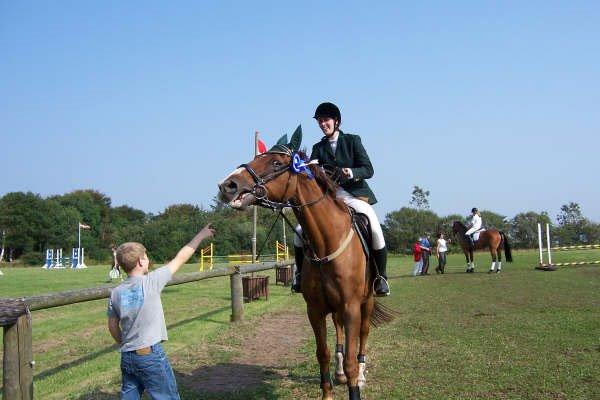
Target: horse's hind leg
340,377
365,326
352,327
494,253
318,323
499,251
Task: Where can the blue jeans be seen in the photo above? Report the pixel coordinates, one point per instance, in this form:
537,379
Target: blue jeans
151,372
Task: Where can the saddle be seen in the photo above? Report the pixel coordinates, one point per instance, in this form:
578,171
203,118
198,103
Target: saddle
362,227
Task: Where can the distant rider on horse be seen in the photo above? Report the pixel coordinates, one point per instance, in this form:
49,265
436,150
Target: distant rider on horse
347,162
474,226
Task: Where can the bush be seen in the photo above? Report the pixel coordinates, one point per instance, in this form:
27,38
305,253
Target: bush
32,258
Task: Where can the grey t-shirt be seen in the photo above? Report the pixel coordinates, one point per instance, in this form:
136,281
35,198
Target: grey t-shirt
136,303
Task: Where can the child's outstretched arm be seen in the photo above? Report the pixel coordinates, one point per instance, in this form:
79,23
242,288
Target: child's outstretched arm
189,249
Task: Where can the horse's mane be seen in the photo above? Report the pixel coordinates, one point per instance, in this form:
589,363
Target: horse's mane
328,186
459,223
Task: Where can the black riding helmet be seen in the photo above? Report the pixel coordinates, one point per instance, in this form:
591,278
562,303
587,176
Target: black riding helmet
474,210
328,110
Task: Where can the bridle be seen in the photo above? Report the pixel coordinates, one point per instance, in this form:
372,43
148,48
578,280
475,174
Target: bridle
260,191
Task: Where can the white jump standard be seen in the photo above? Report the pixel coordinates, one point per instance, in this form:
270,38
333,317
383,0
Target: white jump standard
550,266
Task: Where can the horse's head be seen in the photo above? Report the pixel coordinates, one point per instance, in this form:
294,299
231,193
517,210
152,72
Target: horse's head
458,227
266,178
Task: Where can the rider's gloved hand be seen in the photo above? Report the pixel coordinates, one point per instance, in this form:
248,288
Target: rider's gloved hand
335,173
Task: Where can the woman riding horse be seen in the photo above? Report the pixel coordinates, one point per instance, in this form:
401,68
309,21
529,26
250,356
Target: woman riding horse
476,224
348,163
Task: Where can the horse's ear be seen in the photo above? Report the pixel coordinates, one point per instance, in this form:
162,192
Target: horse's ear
281,145
282,140
296,140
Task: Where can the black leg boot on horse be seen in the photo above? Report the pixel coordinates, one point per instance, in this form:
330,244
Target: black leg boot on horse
381,285
299,256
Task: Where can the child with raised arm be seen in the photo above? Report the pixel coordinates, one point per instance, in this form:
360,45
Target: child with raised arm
137,323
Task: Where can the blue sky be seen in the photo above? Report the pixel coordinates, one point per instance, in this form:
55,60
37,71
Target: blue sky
487,104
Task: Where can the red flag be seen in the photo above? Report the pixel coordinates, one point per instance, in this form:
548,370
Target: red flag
261,146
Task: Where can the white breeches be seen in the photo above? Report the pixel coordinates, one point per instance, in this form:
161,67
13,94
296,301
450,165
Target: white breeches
475,232
360,207
471,231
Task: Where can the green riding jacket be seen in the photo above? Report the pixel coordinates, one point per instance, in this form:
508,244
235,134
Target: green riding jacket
349,153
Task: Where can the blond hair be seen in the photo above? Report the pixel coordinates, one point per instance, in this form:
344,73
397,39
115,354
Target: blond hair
128,255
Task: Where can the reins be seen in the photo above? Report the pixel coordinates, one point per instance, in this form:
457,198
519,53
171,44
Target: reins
260,192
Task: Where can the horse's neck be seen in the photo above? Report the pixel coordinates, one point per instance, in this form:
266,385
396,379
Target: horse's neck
324,223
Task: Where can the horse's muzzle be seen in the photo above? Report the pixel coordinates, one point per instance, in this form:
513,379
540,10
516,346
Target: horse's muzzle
237,194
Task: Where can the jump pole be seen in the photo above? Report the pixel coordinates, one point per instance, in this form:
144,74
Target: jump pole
552,267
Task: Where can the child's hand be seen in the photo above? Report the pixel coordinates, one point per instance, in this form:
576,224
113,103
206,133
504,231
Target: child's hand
207,231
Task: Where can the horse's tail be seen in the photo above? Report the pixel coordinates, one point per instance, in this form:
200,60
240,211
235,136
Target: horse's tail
382,314
507,252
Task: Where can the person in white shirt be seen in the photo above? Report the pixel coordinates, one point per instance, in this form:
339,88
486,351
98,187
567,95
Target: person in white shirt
440,249
475,224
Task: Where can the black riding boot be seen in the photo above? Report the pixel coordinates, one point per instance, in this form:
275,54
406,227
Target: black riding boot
299,256
471,241
381,285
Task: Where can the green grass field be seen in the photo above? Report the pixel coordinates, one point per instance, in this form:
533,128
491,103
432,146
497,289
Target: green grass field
521,334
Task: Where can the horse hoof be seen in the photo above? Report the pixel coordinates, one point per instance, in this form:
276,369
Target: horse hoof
341,379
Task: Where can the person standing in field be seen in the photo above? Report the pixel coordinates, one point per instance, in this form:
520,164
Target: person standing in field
416,249
441,249
115,270
425,253
137,323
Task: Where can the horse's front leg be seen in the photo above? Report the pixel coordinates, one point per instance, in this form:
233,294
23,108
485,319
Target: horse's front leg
318,323
468,260
338,323
352,325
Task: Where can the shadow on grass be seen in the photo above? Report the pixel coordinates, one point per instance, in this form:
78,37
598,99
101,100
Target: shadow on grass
109,349
230,381
98,396
226,381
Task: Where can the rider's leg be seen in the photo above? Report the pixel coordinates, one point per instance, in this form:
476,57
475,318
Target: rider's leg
379,248
299,256
469,235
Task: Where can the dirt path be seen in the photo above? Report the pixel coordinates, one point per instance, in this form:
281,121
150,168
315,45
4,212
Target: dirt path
268,347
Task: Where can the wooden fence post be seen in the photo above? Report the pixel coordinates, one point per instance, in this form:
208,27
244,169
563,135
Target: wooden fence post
237,296
18,363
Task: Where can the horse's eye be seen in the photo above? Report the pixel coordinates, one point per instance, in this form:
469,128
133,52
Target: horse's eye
276,163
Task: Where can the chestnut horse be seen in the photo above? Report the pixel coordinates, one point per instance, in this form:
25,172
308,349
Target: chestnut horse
492,239
335,276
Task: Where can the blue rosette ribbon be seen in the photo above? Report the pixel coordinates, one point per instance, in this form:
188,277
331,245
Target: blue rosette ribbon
299,165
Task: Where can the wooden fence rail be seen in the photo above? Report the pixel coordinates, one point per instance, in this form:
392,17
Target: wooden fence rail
15,317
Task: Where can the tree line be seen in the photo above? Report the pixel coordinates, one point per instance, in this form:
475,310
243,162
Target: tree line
30,224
